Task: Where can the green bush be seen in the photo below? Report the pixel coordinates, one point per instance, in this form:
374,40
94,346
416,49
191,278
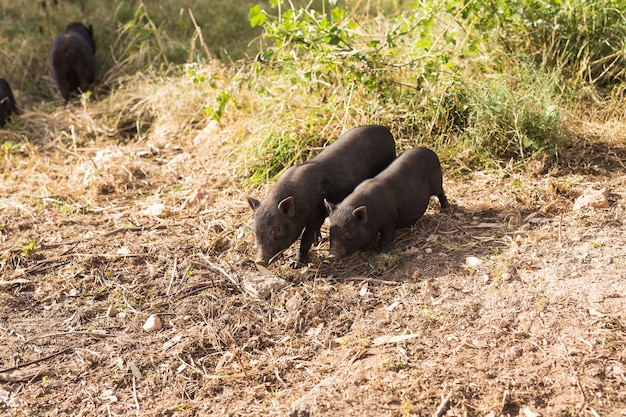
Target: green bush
584,39
430,79
513,116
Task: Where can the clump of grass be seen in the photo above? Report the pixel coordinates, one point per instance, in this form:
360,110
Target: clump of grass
272,155
583,39
269,157
513,115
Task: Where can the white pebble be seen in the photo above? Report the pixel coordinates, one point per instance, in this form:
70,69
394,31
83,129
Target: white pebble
473,261
153,324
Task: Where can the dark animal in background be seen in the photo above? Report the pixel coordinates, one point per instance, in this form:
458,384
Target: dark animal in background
395,198
296,201
73,59
7,101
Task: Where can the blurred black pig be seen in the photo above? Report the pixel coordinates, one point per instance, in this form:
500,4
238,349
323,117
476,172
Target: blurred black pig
395,198
7,101
296,202
73,59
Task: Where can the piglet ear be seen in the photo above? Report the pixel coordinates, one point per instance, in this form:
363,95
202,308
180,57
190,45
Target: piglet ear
288,206
254,203
360,214
330,207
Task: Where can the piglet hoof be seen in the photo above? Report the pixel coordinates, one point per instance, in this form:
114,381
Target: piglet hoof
262,261
297,264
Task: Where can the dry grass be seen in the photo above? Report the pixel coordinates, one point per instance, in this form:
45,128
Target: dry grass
536,327
131,203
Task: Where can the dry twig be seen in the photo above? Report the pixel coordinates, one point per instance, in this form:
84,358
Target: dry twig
83,333
366,279
443,407
45,358
226,274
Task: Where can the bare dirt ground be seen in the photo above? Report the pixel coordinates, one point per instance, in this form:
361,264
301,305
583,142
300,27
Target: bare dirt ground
512,305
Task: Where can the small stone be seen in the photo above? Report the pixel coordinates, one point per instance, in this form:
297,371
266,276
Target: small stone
153,324
363,291
315,331
528,412
155,210
262,286
596,313
294,303
473,261
428,250
593,199
108,396
505,276
123,251
619,370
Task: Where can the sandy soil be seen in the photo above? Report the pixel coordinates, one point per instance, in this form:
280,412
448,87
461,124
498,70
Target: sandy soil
512,305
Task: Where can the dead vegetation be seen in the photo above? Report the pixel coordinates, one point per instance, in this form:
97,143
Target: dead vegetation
128,206
511,305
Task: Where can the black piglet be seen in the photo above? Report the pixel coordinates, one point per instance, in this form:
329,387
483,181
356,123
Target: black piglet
73,59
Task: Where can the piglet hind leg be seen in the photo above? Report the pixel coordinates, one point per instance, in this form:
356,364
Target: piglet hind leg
443,201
